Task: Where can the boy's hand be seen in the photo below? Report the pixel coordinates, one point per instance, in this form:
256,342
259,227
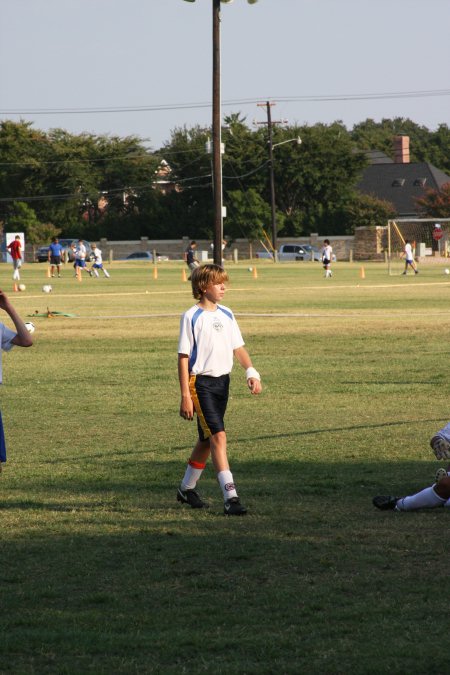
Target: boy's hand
187,408
254,385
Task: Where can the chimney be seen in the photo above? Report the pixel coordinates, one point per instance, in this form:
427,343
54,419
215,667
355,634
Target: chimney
401,149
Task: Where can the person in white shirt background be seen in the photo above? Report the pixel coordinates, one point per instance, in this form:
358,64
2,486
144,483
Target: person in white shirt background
97,263
327,253
409,258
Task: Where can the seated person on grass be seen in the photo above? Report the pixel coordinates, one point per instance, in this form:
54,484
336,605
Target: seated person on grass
431,497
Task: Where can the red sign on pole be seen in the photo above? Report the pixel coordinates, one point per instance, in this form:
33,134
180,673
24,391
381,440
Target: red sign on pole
437,234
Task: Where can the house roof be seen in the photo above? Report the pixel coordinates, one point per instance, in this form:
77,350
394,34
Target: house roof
401,183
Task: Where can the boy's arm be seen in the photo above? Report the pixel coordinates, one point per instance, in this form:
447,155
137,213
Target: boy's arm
253,378
23,337
186,405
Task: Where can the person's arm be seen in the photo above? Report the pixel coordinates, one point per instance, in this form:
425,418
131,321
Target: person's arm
23,337
253,378
186,405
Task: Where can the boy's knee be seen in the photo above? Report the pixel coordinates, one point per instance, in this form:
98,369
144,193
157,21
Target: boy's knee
218,437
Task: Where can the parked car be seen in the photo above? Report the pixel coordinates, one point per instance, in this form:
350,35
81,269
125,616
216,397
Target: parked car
290,252
42,252
316,252
146,255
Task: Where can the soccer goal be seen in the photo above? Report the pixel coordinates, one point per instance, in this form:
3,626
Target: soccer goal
429,238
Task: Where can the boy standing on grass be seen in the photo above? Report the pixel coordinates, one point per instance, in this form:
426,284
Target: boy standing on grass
209,337
97,263
80,257
15,251
409,258
55,252
327,253
9,338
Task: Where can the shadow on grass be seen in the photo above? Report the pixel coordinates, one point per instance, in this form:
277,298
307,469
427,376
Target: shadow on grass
115,578
111,454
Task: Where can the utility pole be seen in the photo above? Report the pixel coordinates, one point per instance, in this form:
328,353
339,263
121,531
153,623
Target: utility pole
272,181
270,123
217,138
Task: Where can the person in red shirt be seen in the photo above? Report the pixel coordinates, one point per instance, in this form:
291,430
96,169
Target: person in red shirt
16,255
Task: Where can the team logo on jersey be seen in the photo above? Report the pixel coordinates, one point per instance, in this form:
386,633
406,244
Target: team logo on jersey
217,325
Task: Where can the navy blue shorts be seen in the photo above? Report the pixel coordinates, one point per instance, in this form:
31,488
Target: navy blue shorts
210,397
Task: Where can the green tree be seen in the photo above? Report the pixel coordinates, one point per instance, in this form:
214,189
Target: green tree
247,215
435,203
65,176
313,178
22,218
360,211
425,145
190,210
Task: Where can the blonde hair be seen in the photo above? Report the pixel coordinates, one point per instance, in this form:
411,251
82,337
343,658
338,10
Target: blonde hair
205,276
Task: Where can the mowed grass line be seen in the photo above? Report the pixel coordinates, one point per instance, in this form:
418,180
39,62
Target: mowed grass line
104,572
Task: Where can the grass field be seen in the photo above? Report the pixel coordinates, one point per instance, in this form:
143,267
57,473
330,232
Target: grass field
103,572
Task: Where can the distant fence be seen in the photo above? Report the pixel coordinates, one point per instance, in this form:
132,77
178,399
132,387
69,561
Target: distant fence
368,243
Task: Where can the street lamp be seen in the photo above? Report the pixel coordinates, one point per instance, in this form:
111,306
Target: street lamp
272,145
217,130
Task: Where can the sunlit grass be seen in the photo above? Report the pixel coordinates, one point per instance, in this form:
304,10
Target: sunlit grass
102,570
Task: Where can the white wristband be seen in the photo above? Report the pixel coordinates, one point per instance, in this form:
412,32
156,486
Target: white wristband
252,372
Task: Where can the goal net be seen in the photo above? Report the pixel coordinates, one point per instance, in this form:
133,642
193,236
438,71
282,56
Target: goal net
429,238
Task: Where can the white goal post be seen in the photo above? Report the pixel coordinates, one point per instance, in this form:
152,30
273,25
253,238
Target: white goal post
429,238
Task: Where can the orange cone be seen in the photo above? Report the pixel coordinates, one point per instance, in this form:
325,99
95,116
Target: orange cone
255,273
15,288
183,275
155,272
362,273
49,274
78,273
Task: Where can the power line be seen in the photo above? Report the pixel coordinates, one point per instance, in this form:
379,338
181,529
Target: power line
425,93
177,181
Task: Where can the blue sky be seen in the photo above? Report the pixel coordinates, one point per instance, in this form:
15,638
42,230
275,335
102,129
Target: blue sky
69,55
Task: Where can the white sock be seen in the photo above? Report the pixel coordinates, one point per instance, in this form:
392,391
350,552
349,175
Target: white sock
227,485
191,476
106,273
425,499
96,273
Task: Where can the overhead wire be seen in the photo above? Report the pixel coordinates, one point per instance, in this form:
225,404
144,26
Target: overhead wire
424,93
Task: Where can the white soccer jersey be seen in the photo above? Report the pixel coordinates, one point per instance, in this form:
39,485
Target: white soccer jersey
209,339
327,252
97,255
80,252
6,336
408,252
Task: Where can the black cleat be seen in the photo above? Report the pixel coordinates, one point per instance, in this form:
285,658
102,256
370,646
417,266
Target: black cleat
385,502
192,498
440,475
233,507
441,447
